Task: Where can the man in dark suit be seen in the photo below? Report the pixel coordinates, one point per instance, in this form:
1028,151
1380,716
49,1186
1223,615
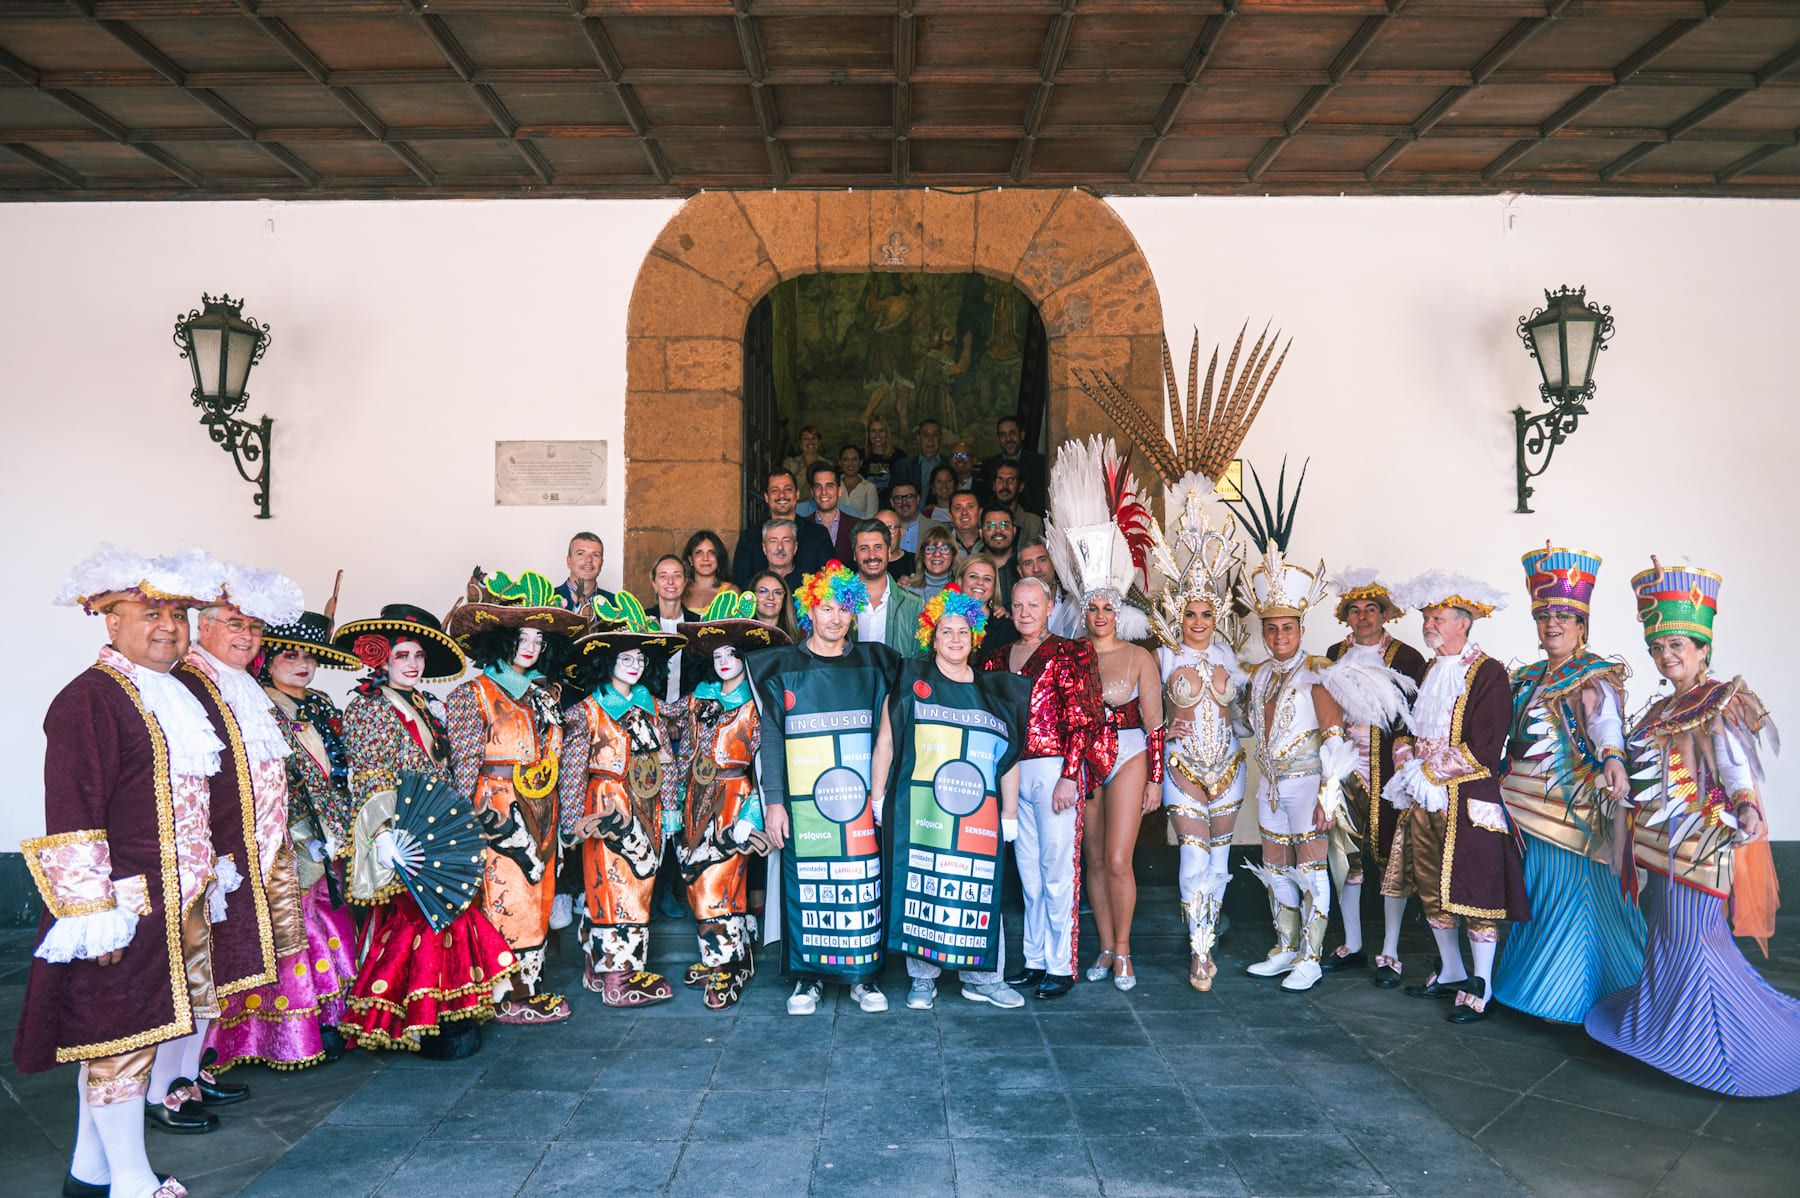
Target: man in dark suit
916,468
781,492
1033,476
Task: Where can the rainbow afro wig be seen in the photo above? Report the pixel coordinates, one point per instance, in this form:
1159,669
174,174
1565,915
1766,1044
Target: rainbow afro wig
952,602
834,581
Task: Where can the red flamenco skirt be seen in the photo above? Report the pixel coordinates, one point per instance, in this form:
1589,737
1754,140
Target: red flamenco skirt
414,978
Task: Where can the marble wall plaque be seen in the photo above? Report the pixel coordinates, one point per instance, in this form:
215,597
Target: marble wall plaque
550,473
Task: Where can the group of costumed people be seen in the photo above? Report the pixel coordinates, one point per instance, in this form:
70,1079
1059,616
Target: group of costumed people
230,867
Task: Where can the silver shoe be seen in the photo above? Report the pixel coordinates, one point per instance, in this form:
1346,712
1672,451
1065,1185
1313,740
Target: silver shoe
1124,981
1097,972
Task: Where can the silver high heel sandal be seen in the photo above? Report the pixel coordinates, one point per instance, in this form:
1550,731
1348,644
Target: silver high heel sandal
1097,972
1123,981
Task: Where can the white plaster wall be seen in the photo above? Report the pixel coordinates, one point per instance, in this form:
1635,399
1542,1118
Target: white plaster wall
410,337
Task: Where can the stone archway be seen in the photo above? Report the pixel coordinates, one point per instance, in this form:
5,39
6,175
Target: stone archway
1068,251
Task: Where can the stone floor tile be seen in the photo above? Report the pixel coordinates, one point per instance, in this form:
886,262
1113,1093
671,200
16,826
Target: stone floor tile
1593,1139
632,1114
1712,1167
1150,1110
976,1070
572,1070
344,1162
877,1114
618,1169
728,1115
1492,1062
752,1066
1260,1111
1008,1114
774,1167
1084,1067
489,1168
1185,1166
1468,1106
1193,1027
484,1114
1199,1065
1327,1165
1557,1179
907,1169
1304,1046
671,1067
1633,1089
1119,1030
1024,1168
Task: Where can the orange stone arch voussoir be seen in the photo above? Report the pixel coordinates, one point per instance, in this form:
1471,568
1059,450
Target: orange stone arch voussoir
1068,251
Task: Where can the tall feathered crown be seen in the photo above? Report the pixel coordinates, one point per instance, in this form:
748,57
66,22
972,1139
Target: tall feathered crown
1099,532
1276,588
1199,565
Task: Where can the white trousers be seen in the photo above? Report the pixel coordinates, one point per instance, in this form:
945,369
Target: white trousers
1047,850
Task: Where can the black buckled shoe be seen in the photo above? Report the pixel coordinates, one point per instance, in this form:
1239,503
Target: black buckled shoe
1432,988
188,1118
74,1187
1342,960
1025,978
214,1092
1054,985
1465,1011
1387,976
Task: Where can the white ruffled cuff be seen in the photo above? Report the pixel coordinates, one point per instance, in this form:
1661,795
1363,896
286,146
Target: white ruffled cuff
225,870
1411,787
85,937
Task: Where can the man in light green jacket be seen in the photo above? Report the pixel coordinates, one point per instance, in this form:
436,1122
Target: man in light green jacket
892,617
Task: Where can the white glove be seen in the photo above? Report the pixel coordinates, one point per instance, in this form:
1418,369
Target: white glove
315,849
741,832
332,844
387,850
1009,829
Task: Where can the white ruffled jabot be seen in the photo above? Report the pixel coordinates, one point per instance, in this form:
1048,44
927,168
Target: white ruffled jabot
254,710
1435,706
193,746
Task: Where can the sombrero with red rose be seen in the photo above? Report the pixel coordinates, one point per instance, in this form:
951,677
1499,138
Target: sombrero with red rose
373,640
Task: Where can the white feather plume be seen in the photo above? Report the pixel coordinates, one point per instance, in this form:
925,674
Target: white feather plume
1354,578
265,595
1431,588
1088,548
110,570
1369,693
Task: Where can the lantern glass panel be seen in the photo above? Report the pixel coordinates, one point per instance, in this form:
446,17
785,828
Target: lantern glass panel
241,345
1545,339
1582,330
205,354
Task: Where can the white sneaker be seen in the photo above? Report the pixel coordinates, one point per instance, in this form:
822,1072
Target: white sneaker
869,998
562,912
1304,976
805,998
1274,967
998,993
922,996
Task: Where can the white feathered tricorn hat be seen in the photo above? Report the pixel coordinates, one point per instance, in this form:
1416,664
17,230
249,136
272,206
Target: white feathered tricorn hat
1356,583
1440,588
1099,531
111,575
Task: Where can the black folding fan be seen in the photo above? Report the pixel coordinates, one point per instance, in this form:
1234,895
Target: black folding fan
441,847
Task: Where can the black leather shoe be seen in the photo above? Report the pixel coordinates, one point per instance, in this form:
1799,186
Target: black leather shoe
1387,977
1436,989
1332,963
1463,1012
1025,978
1054,985
334,1043
217,1093
190,1119
74,1187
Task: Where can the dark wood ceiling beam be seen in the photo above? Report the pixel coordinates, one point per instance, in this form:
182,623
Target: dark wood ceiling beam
291,44
906,48
761,98
1588,9
1657,46
434,28
1692,120
115,132
1199,56
1486,68
1056,44
622,92
45,163
1360,41
1754,157
171,72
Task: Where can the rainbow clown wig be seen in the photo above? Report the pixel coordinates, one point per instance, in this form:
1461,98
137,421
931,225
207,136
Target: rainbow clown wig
834,581
952,602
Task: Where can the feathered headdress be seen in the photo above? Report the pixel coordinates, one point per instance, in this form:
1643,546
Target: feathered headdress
111,574
1099,531
1211,425
1440,588
264,595
1355,583
1198,566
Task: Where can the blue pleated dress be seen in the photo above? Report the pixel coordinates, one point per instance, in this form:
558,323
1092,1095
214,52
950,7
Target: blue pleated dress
1585,938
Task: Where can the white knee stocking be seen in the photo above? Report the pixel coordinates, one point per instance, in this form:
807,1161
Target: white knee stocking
1221,859
88,1163
169,1056
1483,952
1450,949
1391,911
1351,894
193,1048
120,1127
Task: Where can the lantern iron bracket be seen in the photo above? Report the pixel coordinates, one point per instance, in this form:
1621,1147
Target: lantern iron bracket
1535,437
247,443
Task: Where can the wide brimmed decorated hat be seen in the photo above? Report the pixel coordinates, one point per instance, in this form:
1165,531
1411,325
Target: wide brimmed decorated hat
730,619
311,633
501,601
1440,588
1358,584
372,640
1677,601
111,575
1560,578
265,595
622,623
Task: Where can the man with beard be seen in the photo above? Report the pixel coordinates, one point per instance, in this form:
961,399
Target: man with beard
812,547
892,617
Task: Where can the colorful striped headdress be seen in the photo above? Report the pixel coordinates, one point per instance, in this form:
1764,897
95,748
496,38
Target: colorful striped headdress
835,581
1677,600
1560,578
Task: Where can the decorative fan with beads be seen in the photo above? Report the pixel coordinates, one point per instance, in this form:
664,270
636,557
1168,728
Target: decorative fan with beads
441,847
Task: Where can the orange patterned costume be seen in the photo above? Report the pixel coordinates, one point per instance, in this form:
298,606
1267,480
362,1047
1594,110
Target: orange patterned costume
618,866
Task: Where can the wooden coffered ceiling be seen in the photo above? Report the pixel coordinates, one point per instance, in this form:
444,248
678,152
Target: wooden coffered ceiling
170,99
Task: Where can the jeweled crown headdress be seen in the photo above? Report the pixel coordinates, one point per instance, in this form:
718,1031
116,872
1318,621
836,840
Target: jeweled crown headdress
1199,565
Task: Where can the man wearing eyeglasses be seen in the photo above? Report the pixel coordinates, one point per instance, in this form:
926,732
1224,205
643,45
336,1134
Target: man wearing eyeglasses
997,535
1028,526
904,499
812,549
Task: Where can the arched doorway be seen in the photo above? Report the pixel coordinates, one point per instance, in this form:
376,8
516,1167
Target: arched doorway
723,251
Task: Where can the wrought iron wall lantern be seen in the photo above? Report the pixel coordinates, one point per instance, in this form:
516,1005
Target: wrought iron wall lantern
1565,336
221,346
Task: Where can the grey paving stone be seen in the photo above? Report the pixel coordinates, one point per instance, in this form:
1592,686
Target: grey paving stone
632,1114
1187,1166
1493,1062
726,1115
495,1169
777,1167
1712,1166
484,1114
1193,1027
1084,1067
974,1070
1633,1089
1555,1179
755,1067
1199,1065
916,1069
1326,1165
965,1025
1466,1105
1260,1111
679,1031
1418,1153
574,1070
1768,1123
1142,1111
340,1161
913,1169
1593,1139
628,1169
1100,1031
1310,1046
1025,1168
675,1068
876,1114
1008,1114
